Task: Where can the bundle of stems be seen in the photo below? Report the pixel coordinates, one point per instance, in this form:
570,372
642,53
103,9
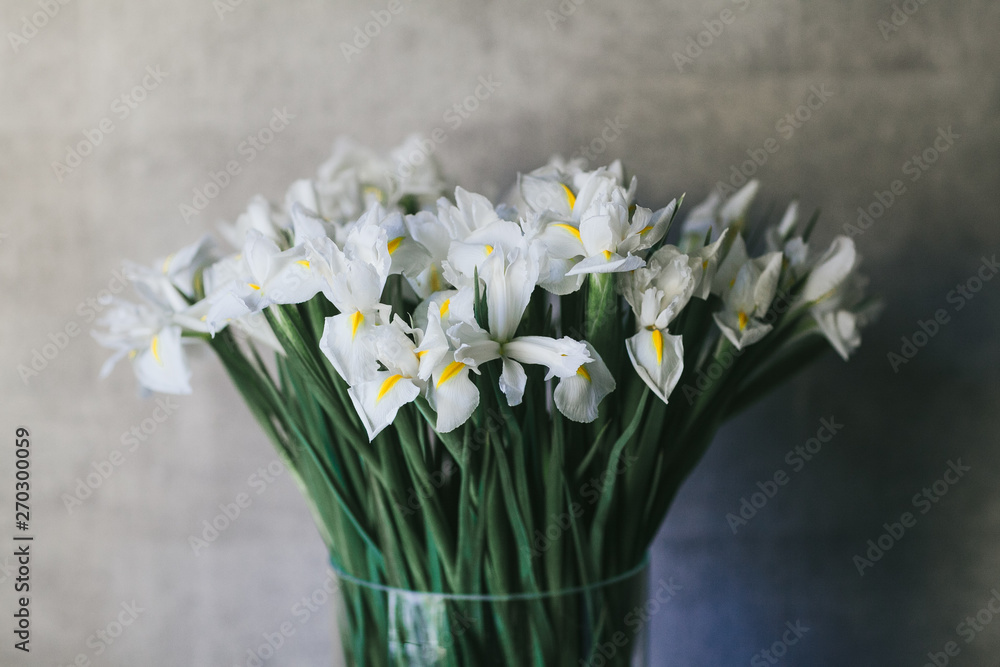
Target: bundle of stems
491,409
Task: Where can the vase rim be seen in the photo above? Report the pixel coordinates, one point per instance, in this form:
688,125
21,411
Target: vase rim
628,574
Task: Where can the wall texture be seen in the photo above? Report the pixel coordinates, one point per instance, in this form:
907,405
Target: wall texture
697,89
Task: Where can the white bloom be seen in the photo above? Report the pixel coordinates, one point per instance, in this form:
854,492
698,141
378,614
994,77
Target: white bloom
450,390
715,215
151,341
379,398
833,291
747,300
657,295
261,217
831,270
266,276
181,267
609,239
509,283
578,396
355,279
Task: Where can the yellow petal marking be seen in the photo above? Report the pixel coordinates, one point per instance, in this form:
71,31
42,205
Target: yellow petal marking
645,229
742,316
607,254
732,282
420,353
435,280
356,319
445,307
570,197
254,285
389,383
582,372
450,371
489,249
393,244
704,265
131,354
166,263
372,190
569,228
303,262
658,345
154,347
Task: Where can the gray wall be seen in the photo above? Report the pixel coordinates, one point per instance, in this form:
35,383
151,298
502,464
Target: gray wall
560,81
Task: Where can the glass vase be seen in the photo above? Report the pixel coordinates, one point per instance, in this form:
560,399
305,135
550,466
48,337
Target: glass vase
600,625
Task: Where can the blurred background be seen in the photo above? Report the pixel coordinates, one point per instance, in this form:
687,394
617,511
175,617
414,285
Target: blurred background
855,96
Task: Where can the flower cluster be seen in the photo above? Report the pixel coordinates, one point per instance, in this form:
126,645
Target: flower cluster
427,289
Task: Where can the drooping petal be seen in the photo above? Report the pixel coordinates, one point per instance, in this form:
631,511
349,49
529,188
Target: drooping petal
346,344
454,395
840,328
579,396
740,328
513,379
379,399
833,268
658,358
162,365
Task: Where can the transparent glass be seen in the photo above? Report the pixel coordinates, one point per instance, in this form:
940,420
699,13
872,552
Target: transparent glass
600,625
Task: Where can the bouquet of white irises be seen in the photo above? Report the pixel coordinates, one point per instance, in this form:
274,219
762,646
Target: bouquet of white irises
451,375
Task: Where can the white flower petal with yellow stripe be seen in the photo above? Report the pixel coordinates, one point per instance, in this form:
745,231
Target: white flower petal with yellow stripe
348,343
162,366
579,396
658,358
453,394
747,300
379,397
